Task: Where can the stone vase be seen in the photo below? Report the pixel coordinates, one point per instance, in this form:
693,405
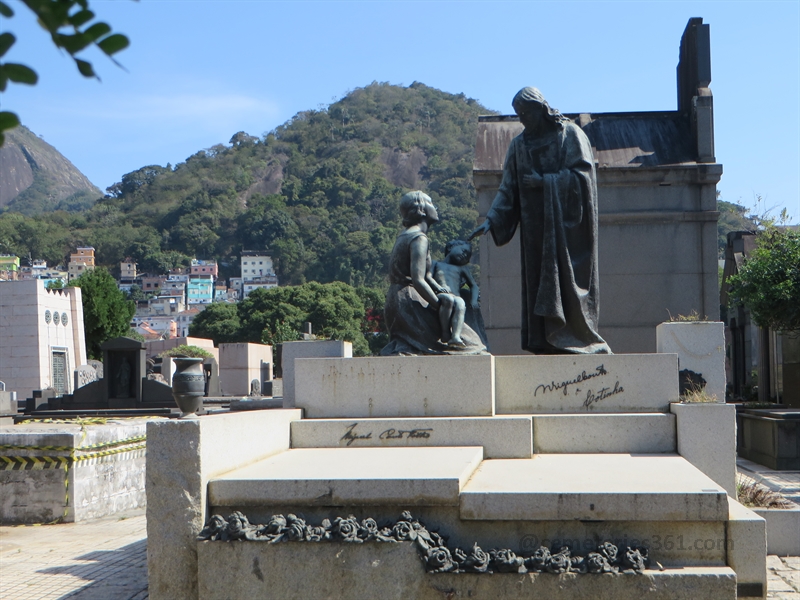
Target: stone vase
188,384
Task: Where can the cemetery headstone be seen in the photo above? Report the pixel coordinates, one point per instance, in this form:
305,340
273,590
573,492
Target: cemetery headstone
125,363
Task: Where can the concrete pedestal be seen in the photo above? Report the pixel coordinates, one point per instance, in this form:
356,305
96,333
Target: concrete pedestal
61,472
241,364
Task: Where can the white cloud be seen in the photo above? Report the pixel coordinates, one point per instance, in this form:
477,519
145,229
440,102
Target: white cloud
184,107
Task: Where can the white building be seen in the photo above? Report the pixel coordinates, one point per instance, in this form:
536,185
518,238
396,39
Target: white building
261,282
184,319
155,326
257,272
236,284
41,336
255,265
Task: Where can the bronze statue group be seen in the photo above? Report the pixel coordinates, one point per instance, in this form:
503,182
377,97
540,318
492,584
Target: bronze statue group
549,191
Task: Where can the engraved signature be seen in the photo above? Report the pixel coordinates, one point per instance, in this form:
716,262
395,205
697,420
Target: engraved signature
351,436
602,394
397,434
564,385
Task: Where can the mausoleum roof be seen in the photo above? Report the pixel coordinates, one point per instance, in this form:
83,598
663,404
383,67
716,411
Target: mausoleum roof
619,140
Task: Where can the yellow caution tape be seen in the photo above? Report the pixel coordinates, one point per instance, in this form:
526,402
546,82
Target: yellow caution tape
76,455
89,455
32,463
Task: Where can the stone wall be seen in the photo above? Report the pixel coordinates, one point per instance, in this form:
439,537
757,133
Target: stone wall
63,472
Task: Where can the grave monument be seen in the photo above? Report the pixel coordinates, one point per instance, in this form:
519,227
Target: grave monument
124,384
456,473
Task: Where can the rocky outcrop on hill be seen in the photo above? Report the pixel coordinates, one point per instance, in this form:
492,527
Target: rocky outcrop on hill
35,177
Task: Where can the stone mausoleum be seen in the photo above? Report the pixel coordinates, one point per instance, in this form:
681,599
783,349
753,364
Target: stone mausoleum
42,337
656,178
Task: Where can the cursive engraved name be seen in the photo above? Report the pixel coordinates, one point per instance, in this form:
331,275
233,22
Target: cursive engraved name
398,434
351,436
602,394
564,385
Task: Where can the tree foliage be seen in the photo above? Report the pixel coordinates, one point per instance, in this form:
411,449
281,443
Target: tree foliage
137,294
768,282
272,316
72,27
107,312
732,217
218,322
187,351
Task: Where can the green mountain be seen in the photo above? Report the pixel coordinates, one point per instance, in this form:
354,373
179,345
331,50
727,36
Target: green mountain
320,192
732,217
36,178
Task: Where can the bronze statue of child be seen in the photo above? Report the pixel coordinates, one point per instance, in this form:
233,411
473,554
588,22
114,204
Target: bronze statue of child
450,276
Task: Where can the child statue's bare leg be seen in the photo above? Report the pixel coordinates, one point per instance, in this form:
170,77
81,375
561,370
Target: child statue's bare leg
445,315
457,320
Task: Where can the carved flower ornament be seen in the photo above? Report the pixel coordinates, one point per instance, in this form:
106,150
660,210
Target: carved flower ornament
432,547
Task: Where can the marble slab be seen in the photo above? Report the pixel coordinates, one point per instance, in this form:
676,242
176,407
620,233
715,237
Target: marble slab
350,477
396,386
585,383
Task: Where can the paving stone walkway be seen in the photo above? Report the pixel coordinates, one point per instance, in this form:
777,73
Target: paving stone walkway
106,559
103,559
783,578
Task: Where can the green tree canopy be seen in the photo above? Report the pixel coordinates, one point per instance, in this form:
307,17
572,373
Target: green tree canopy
107,312
768,282
137,294
271,316
334,310
218,322
732,217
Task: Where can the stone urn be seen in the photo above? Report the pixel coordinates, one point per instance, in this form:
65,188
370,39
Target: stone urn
188,384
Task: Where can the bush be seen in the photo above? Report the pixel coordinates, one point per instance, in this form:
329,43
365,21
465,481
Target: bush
187,351
768,282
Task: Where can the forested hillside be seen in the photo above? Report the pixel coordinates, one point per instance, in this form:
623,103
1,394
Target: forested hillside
732,217
320,192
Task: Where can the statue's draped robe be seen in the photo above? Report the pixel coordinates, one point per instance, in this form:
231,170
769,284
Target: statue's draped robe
413,324
558,239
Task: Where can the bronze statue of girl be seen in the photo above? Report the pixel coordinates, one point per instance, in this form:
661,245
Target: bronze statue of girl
415,298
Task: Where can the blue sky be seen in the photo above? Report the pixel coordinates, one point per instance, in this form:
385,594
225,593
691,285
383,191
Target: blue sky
199,71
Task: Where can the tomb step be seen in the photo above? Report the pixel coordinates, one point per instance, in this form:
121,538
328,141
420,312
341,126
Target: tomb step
593,487
350,477
501,437
638,433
